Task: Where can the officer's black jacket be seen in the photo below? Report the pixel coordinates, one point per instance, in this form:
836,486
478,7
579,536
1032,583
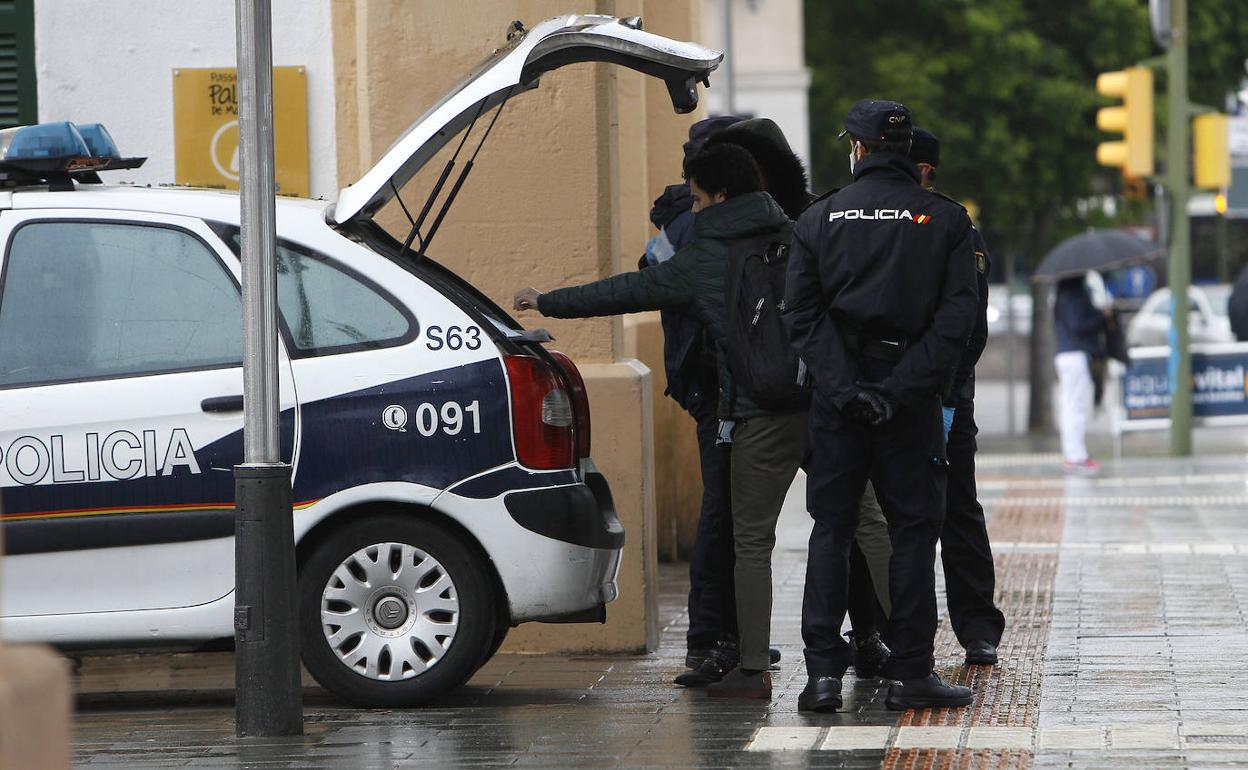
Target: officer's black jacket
882,258
963,391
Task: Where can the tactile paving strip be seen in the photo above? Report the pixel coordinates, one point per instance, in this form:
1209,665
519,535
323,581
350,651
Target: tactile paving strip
998,740
1006,695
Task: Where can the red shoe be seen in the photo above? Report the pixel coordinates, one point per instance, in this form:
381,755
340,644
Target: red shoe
1087,467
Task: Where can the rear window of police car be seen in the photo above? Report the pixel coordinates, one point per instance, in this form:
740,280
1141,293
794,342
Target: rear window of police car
328,308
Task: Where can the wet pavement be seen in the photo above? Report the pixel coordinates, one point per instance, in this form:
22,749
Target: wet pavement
1127,603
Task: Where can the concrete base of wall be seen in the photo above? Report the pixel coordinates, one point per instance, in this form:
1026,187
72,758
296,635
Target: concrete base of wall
623,448
36,706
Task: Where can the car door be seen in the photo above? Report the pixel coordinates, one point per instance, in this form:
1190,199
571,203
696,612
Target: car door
120,411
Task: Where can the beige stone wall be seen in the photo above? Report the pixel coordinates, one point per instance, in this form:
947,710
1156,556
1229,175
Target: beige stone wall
560,194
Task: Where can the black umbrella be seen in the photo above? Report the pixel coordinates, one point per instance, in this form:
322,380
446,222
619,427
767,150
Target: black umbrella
1099,250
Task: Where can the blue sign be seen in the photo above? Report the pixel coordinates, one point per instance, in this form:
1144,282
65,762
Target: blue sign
1135,282
1219,385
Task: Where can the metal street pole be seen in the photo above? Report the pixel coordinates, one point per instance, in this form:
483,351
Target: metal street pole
1040,362
1010,345
727,70
268,694
1178,160
1223,239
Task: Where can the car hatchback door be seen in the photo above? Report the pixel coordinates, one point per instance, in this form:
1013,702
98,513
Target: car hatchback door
120,412
515,68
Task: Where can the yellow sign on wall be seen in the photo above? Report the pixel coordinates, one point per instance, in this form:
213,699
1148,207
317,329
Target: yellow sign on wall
205,128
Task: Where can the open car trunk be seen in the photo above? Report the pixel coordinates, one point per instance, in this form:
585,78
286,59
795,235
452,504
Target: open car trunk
513,69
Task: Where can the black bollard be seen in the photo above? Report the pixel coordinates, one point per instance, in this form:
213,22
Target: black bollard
268,692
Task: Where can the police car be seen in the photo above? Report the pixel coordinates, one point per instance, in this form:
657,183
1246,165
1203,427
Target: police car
443,485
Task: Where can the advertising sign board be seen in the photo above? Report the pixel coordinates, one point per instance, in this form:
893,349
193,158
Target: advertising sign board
1219,386
205,127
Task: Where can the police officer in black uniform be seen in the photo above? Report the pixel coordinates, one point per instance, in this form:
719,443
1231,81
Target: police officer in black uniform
970,579
880,301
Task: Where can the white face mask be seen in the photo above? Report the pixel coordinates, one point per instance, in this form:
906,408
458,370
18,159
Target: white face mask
852,159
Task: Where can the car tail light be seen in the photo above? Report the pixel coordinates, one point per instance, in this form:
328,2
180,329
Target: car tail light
580,401
542,415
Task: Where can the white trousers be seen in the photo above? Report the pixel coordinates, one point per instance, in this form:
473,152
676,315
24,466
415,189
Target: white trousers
1075,380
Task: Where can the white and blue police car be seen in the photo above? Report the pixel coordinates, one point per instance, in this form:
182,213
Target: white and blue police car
443,486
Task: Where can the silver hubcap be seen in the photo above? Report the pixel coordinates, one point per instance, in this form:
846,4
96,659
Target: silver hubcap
390,611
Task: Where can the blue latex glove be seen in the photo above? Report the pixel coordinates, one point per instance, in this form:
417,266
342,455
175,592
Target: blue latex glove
946,416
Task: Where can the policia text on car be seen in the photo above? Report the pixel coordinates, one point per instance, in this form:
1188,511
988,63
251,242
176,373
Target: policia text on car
880,309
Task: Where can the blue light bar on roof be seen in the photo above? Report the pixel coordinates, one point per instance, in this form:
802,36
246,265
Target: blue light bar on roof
58,153
98,140
45,140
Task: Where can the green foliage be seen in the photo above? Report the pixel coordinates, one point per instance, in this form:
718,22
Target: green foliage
1009,87
1218,49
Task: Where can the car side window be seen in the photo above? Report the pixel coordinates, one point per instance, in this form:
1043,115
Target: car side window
326,307
329,310
90,300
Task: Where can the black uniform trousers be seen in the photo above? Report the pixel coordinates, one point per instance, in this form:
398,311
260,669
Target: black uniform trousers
866,616
970,579
712,592
905,460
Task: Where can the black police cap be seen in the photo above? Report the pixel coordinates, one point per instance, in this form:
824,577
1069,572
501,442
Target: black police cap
924,147
878,120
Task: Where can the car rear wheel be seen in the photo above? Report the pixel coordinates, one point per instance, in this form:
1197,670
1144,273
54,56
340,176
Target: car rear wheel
500,636
394,611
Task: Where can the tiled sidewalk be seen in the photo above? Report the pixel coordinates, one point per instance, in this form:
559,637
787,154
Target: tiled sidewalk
1127,598
1150,622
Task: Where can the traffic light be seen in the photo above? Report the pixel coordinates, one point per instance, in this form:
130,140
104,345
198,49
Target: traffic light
1210,141
1134,120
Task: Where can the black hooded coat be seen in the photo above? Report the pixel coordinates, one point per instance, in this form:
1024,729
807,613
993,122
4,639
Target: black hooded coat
784,176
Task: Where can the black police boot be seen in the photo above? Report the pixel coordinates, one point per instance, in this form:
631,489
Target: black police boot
926,693
773,655
822,693
723,657
870,655
981,653
695,656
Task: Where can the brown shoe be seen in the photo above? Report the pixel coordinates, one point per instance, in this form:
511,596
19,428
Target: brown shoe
737,684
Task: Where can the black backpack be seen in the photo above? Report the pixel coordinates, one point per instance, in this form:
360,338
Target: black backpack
763,363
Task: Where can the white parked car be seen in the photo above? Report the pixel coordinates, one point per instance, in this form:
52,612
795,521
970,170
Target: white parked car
1020,303
1208,320
443,485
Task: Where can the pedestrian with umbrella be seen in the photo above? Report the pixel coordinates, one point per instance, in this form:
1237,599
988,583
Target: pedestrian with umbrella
1082,328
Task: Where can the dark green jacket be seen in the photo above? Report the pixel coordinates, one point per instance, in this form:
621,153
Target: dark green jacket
693,278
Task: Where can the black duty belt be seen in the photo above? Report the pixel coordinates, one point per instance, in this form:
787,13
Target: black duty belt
873,346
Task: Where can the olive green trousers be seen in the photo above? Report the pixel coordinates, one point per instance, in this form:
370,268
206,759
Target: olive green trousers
767,452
